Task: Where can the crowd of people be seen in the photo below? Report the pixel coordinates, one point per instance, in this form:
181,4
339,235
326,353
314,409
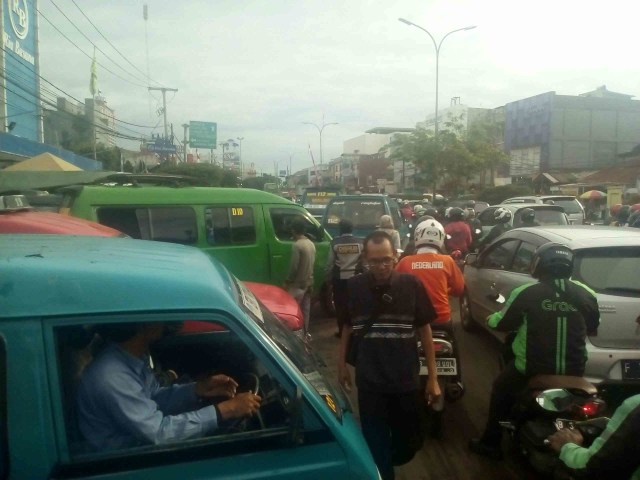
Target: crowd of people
386,301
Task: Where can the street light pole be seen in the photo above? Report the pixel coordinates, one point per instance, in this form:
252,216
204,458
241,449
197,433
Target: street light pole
320,129
241,164
437,46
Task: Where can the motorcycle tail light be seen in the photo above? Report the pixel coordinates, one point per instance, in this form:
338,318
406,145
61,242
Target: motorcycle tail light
442,347
591,408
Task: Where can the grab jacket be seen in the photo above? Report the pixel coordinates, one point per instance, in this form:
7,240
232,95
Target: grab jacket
552,319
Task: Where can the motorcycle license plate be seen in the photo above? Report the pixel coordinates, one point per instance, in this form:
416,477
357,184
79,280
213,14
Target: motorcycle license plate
631,369
444,366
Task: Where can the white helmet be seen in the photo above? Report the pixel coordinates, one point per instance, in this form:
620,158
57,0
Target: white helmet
502,215
429,233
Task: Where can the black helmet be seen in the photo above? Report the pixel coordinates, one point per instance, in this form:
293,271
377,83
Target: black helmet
528,215
456,214
623,213
502,215
432,212
470,204
552,260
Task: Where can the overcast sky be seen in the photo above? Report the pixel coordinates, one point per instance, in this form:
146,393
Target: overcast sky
259,68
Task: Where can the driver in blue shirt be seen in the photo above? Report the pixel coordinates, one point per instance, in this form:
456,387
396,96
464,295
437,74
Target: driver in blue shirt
120,403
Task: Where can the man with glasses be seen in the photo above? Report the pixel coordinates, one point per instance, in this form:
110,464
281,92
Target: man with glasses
385,311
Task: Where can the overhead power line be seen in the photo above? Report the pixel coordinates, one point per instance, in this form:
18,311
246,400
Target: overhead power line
96,47
86,54
115,133
80,102
146,75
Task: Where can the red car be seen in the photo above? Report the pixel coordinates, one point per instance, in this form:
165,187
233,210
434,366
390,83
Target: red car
16,216
278,301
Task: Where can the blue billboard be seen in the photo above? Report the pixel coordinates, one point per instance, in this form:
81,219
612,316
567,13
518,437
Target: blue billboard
20,67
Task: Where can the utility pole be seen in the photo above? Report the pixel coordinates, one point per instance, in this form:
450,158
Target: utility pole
241,164
164,91
184,142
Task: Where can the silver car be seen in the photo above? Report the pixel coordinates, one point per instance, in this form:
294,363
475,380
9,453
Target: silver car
607,259
572,207
545,215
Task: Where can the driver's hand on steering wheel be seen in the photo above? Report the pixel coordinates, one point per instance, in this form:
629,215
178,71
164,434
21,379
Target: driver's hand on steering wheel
216,386
242,405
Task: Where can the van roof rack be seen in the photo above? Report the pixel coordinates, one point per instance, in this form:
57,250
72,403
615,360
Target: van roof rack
157,179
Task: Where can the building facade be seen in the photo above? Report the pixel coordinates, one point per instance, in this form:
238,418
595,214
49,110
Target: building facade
19,95
551,132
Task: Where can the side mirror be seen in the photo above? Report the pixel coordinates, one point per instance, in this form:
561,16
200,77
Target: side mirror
555,400
471,259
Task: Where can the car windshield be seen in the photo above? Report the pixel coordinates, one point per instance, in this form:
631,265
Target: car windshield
610,270
300,353
543,217
363,213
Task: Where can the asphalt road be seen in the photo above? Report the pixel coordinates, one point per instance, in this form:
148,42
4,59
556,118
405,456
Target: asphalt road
448,458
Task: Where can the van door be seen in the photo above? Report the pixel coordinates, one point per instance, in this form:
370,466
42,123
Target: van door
286,440
235,235
278,228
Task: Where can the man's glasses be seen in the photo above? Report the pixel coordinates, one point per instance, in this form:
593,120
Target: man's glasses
378,262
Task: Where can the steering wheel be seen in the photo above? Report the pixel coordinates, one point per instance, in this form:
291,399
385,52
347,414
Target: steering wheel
248,383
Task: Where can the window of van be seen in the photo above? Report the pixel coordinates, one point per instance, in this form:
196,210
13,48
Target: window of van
230,225
165,224
281,219
138,408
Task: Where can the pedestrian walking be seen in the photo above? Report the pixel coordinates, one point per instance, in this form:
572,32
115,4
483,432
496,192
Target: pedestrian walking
385,311
299,282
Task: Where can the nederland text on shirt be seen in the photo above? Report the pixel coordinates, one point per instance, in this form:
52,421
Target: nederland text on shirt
426,265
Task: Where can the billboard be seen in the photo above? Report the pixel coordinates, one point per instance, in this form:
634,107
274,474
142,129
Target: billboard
20,67
203,134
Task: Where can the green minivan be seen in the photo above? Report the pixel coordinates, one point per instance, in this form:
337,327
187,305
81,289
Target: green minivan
247,230
62,295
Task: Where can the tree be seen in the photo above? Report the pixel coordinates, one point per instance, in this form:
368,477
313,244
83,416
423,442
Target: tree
258,182
454,157
211,175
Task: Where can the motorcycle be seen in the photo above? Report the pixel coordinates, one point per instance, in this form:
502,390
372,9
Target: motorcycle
551,403
448,371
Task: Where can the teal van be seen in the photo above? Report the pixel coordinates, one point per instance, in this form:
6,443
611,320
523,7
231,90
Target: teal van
364,211
247,230
61,293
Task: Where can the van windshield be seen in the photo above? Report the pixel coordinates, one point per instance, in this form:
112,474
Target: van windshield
298,352
363,213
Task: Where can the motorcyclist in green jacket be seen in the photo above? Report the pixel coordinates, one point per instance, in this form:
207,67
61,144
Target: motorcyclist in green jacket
552,319
614,454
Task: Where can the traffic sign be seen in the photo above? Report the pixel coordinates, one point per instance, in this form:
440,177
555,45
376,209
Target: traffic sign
161,148
203,134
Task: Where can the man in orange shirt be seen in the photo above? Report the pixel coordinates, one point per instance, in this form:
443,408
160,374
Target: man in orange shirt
441,277
437,272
